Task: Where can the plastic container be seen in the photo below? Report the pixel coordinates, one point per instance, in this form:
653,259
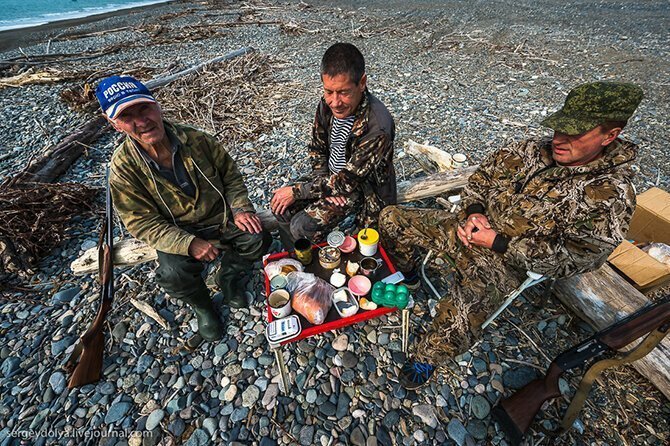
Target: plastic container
360,285
368,239
349,245
345,303
390,295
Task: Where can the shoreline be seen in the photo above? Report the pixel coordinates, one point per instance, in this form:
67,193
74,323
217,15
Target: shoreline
14,38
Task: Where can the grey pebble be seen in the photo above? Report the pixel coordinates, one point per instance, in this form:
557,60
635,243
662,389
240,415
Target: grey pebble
199,437
457,431
480,407
116,412
154,419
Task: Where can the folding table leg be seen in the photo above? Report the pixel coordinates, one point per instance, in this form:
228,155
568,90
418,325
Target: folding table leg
405,329
283,371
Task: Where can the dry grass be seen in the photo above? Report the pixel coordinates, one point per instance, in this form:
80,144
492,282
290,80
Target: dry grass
34,218
239,99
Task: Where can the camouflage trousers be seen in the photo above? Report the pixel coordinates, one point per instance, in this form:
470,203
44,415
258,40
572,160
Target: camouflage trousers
481,277
313,219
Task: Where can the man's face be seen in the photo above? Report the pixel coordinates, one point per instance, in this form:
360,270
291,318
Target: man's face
143,122
577,150
342,94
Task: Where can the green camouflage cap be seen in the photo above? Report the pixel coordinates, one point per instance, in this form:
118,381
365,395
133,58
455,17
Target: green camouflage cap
589,105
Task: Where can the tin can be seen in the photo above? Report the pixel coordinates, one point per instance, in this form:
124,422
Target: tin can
303,251
329,257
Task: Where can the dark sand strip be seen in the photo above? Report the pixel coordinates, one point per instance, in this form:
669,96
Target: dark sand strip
14,38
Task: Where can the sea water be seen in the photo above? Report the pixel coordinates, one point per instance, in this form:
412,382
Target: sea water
23,13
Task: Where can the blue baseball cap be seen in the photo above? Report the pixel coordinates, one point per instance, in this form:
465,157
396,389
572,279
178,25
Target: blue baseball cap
117,93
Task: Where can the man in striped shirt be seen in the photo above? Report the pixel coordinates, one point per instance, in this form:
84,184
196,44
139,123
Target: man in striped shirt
351,154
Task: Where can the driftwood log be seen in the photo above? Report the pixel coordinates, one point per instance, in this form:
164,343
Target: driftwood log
56,161
601,298
436,156
132,252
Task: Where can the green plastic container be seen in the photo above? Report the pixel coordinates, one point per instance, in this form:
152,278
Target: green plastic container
390,295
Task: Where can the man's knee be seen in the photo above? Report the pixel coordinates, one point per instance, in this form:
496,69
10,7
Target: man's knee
388,212
179,275
304,226
388,216
253,246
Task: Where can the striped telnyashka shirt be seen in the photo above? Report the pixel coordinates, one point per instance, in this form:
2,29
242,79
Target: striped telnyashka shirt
339,134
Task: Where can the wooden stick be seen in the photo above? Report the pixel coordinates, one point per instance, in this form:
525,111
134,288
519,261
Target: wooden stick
149,311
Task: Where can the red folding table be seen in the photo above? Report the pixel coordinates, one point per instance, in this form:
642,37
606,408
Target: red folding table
333,320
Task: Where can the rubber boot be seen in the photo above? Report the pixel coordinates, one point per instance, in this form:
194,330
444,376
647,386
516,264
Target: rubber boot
230,280
209,325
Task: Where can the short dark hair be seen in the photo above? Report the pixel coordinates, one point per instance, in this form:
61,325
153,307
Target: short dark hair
609,125
343,58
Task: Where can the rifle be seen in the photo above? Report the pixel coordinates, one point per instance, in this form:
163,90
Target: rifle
516,413
85,362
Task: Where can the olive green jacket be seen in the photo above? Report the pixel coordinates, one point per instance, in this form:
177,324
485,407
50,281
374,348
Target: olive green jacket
156,211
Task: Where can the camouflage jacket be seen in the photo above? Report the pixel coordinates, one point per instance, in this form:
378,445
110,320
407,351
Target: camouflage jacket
369,155
156,211
551,219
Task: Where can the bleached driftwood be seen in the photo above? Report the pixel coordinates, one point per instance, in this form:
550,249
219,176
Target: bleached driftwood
149,311
441,158
601,298
127,252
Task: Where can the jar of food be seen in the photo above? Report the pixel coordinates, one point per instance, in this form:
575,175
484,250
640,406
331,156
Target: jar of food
329,257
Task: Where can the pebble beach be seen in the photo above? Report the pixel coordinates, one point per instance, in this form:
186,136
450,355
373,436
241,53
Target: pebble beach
462,76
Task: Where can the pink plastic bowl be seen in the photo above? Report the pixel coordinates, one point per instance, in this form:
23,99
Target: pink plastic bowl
349,245
359,285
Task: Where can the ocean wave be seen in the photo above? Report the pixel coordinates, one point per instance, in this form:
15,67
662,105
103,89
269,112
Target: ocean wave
49,17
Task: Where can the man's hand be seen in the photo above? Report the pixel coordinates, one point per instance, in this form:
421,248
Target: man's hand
282,199
337,201
477,231
249,222
202,250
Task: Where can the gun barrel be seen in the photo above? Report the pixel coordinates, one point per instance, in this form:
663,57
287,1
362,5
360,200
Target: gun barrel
644,322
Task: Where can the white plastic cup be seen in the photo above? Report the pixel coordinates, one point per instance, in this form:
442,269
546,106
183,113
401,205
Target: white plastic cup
459,159
280,303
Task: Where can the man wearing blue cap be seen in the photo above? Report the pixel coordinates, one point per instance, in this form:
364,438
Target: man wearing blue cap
176,189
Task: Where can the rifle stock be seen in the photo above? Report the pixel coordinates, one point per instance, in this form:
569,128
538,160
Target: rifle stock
516,413
90,349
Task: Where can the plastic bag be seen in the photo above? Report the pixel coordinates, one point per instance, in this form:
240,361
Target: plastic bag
282,266
310,296
659,251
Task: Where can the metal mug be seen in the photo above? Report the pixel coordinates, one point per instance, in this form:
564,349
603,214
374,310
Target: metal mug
280,303
303,251
368,265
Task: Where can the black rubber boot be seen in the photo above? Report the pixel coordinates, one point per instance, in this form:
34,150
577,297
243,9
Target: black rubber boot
230,279
209,325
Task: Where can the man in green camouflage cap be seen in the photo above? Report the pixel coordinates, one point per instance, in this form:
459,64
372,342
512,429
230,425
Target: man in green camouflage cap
555,206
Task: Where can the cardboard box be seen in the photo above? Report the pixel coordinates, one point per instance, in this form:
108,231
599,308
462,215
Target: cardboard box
650,223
